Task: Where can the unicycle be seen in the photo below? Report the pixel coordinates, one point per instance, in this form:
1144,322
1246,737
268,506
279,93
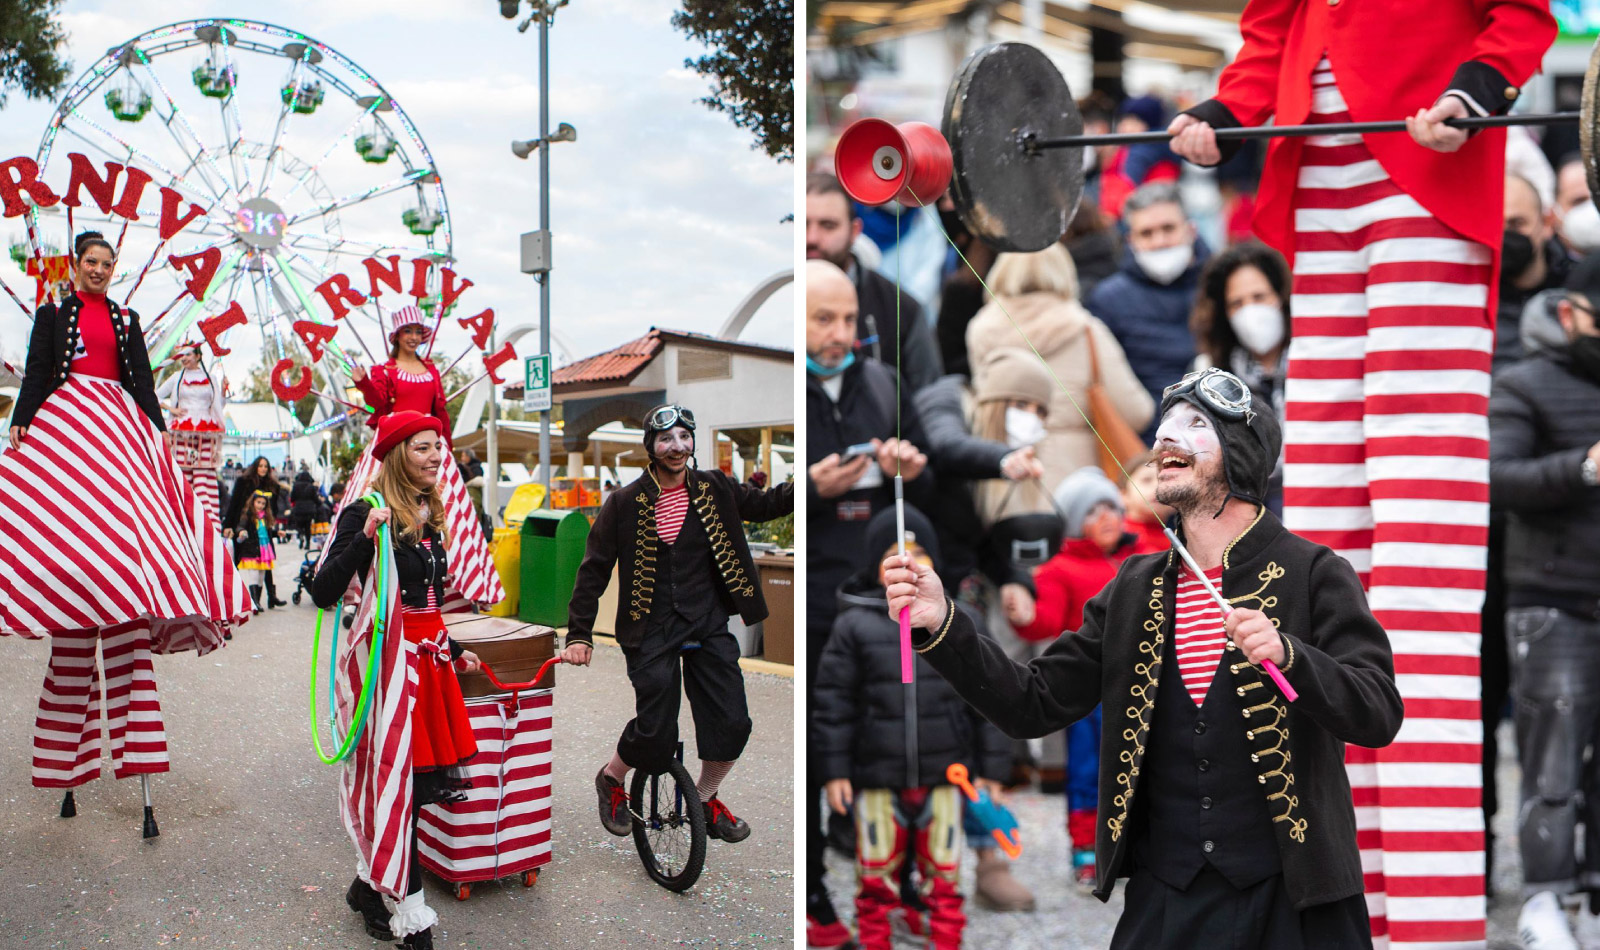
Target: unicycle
669,825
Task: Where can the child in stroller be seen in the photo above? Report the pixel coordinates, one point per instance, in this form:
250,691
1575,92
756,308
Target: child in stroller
320,523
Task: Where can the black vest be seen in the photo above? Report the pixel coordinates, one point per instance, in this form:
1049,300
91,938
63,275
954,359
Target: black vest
1202,798
687,582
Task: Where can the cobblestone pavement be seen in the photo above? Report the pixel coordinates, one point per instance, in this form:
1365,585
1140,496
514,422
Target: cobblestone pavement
252,853
1068,917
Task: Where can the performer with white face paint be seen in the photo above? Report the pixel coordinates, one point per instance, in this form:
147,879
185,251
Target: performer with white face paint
194,399
1225,805
684,568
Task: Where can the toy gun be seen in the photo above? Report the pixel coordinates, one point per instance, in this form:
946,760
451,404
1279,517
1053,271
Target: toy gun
996,819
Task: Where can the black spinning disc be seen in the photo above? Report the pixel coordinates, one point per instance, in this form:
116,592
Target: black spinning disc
1010,198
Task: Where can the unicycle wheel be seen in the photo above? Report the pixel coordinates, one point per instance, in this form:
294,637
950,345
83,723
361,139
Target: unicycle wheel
669,826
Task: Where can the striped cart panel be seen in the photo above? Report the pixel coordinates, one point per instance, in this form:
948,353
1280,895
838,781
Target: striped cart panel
503,826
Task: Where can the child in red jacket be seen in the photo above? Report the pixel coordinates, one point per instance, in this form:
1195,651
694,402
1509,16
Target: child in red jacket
1141,522
1096,546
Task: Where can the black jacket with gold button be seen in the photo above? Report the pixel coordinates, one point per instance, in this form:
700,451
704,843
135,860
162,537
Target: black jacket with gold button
1339,663
624,534
55,338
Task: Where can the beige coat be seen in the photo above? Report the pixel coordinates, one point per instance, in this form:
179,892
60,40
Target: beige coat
1056,327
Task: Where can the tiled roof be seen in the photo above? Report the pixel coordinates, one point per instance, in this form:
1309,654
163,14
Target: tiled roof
615,365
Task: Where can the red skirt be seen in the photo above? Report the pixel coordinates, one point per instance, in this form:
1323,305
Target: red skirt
441,733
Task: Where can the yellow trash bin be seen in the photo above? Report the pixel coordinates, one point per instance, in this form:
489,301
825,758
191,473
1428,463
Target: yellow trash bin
508,562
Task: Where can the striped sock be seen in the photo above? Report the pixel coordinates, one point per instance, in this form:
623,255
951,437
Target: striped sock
711,776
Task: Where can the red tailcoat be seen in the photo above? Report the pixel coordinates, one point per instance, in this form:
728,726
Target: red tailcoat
1391,58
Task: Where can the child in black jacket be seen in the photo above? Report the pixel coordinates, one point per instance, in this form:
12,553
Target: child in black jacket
885,747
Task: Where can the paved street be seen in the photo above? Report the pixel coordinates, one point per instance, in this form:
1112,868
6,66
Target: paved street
252,853
1068,917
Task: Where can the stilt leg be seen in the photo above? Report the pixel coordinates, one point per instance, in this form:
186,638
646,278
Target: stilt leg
69,807
150,829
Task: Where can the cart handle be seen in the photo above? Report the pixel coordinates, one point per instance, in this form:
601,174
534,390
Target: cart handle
518,687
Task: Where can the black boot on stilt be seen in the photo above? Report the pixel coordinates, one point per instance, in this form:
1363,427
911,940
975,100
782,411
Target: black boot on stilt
69,807
366,901
150,829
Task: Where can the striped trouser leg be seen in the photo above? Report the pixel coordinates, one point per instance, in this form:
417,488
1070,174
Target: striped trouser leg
133,711
1387,463
66,730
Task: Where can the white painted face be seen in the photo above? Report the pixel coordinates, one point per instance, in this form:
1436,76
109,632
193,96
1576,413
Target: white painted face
1189,457
1186,431
674,447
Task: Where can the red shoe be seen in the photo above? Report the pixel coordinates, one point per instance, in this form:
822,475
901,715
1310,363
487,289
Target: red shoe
834,936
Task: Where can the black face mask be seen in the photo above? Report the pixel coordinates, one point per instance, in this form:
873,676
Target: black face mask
1585,352
1516,254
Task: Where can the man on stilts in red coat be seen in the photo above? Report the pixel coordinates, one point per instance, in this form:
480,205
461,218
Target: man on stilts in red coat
1395,241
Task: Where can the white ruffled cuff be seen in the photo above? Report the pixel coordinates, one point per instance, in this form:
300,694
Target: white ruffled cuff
411,915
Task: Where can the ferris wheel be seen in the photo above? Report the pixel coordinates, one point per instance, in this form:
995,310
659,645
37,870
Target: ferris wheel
302,164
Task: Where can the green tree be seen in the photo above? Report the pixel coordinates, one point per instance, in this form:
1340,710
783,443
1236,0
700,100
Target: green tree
751,65
30,44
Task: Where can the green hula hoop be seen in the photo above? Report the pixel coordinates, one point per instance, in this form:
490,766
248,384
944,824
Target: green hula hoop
380,625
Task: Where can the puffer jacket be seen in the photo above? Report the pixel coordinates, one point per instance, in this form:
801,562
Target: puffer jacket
859,717
1151,323
1544,416
1059,328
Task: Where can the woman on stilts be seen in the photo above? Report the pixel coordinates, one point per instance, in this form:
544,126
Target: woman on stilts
102,542
418,733
195,397
407,382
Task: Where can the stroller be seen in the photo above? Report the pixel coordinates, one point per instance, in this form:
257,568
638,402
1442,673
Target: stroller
320,525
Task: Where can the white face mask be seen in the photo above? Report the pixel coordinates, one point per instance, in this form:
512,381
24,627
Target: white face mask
1023,428
1581,227
1166,264
1259,326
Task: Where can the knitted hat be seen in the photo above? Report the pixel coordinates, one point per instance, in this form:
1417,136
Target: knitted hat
1013,373
1148,108
408,316
395,428
1080,492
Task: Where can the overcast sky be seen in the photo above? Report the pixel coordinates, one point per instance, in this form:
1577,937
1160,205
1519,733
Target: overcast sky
662,212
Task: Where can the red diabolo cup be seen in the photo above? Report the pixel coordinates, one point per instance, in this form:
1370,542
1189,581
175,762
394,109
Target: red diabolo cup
878,162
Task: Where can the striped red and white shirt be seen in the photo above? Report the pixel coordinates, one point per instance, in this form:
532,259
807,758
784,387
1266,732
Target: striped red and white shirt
1199,635
670,512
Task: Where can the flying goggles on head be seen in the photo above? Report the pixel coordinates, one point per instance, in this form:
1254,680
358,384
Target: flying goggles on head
662,418
1223,393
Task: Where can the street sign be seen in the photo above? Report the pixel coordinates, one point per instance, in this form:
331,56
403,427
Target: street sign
536,383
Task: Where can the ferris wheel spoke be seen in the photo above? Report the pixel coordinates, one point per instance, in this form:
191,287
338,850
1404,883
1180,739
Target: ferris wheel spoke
348,131
404,181
298,290
234,130
333,354
176,114
356,249
146,160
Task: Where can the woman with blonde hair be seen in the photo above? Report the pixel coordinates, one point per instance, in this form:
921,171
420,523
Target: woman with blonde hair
1039,292
410,753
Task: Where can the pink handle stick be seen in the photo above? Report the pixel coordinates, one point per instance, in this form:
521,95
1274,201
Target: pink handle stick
1272,668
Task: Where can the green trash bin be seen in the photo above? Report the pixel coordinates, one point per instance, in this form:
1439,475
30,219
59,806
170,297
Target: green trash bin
552,549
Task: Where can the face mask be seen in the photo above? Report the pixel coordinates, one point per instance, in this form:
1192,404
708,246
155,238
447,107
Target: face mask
1023,427
1585,352
1516,253
1259,326
817,369
1166,264
1581,227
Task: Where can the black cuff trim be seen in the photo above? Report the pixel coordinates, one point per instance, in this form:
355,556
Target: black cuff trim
1484,85
1218,116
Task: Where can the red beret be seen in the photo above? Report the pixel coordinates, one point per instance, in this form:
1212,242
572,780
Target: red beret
395,428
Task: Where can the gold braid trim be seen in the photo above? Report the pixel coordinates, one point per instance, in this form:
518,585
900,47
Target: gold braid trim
722,547
644,560
1145,693
1277,729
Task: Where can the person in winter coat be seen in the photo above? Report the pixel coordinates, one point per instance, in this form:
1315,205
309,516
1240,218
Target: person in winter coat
1096,545
1146,304
1544,473
1040,292
303,498
884,749
1240,322
257,478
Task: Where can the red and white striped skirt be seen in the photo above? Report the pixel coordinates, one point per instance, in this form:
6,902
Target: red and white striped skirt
97,528
197,453
471,564
1386,462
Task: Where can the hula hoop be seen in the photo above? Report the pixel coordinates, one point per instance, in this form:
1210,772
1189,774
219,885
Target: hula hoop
380,624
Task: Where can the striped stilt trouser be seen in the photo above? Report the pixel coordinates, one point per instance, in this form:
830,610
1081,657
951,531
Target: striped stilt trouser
66,732
1387,445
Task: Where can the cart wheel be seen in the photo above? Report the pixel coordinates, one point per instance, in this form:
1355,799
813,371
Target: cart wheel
296,598
530,878
463,891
